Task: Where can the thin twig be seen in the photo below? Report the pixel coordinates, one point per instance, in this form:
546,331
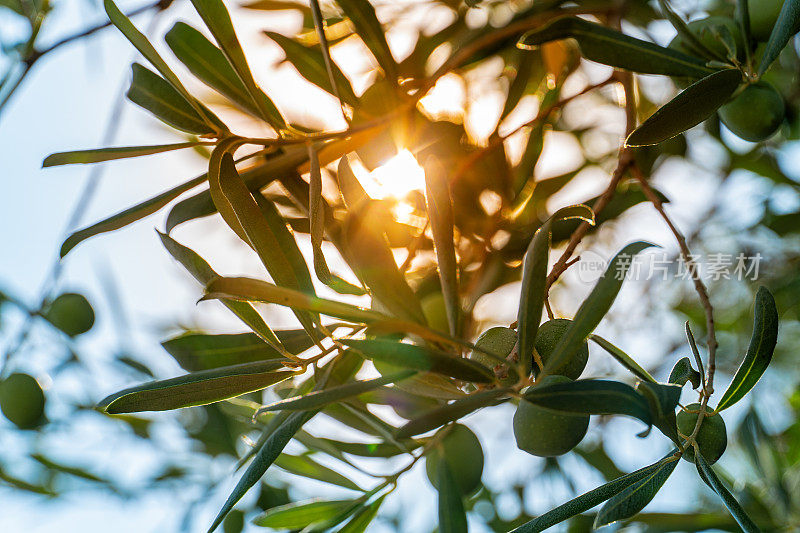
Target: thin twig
624,161
700,288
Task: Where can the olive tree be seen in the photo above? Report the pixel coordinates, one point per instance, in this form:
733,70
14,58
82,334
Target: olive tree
415,335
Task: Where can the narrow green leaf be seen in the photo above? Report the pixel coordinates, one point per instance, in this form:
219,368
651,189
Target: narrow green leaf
156,95
128,216
683,372
439,416
140,42
199,351
209,64
316,216
367,252
592,397
362,15
297,515
218,20
586,501
785,27
710,478
321,398
197,388
534,280
353,194
440,213
688,109
266,231
452,516
610,47
363,518
624,359
107,154
595,306
636,496
256,178
421,358
204,274
306,467
759,353
261,291
377,449
310,63
267,453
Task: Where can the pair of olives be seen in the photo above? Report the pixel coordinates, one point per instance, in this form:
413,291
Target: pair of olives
757,112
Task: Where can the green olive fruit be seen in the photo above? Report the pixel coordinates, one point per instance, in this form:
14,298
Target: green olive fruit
22,400
712,437
709,32
763,15
755,114
462,450
545,432
546,341
499,341
435,311
71,313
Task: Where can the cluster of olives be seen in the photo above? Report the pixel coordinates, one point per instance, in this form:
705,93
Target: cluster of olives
538,430
756,112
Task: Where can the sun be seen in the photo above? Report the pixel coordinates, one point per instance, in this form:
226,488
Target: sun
395,179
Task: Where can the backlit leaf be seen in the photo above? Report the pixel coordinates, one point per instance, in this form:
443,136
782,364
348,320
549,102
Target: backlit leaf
266,231
216,17
317,399
156,95
421,358
595,306
316,215
610,47
298,515
688,109
209,64
197,388
307,467
261,291
140,42
107,154
200,351
663,399
534,280
310,63
440,213
759,353
367,252
204,274
448,413
362,15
